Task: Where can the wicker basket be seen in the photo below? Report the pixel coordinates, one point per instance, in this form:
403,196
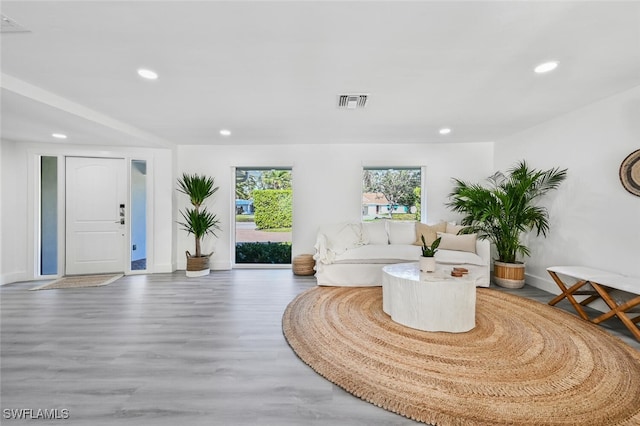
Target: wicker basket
197,263
303,264
508,275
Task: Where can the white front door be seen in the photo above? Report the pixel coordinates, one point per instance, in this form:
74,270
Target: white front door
96,193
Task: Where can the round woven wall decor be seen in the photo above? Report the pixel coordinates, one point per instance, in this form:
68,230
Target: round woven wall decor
630,173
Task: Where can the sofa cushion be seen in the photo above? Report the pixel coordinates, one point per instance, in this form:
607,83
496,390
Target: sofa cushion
453,228
454,257
342,237
379,253
466,242
430,232
375,232
390,253
401,232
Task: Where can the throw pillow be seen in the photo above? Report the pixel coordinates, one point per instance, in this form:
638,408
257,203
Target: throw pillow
343,237
466,242
453,228
430,232
375,232
401,231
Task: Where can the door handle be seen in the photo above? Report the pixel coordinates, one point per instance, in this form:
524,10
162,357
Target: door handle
121,221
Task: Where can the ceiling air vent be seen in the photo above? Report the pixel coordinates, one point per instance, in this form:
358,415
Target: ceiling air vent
352,101
8,25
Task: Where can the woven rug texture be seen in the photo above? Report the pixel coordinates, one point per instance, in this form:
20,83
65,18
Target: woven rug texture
79,281
525,363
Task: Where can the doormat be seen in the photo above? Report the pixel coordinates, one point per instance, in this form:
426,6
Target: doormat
79,281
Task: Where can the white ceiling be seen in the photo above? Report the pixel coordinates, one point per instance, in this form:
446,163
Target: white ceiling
271,71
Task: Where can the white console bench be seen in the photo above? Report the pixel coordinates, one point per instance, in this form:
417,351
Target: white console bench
597,284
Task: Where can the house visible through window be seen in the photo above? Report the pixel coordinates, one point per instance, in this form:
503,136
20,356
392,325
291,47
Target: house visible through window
391,193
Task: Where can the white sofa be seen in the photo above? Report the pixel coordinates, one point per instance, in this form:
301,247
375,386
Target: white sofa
353,254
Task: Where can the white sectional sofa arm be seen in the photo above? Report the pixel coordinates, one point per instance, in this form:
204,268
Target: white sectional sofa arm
322,252
483,249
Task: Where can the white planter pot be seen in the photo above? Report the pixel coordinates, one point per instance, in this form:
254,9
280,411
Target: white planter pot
201,273
198,266
427,264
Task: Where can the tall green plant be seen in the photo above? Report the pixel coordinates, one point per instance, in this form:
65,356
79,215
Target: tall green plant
505,208
197,187
197,220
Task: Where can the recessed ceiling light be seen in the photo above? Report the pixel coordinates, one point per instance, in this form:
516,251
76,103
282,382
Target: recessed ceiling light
445,131
546,67
148,74
59,135
225,132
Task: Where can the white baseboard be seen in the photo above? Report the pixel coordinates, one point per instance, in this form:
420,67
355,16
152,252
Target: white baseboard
163,268
14,277
542,283
220,266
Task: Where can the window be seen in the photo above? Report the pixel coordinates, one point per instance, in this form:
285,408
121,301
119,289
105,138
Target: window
48,215
391,193
138,215
264,216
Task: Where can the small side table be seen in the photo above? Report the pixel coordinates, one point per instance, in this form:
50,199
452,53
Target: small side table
432,301
303,264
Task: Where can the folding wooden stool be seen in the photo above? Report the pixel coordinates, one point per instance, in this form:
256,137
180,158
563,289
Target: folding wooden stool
598,284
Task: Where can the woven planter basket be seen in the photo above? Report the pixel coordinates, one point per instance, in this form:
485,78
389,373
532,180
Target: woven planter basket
197,263
303,264
508,275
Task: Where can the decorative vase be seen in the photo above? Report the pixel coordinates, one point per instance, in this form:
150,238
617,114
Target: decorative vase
427,264
508,275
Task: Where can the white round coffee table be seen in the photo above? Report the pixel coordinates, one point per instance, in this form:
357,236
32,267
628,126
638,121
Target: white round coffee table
429,301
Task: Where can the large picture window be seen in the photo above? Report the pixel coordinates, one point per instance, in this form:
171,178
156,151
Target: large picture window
264,216
391,193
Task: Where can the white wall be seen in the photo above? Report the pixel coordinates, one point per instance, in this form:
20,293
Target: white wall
2,180
163,248
327,182
19,202
594,220
13,233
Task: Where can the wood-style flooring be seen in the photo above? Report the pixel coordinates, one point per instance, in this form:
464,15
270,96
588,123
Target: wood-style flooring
166,350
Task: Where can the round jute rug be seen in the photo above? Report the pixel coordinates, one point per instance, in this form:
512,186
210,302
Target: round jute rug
525,363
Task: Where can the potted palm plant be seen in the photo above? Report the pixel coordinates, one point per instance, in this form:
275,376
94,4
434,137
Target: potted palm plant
503,210
427,260
198,220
